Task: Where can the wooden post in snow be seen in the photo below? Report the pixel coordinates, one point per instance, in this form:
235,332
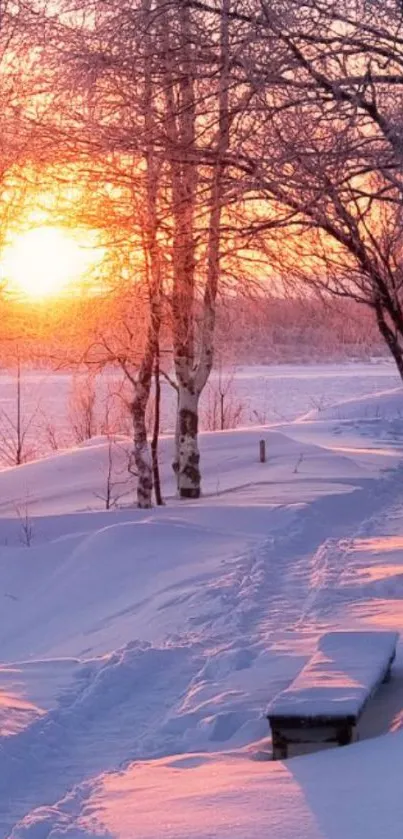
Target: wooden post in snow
262,451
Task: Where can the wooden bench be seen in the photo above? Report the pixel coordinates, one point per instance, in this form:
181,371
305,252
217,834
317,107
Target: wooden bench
326,700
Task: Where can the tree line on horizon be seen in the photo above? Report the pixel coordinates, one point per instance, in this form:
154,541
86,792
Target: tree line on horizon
249,330
220,150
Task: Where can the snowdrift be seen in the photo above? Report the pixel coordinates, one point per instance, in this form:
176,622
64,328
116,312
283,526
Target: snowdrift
75,480
352,793
385,406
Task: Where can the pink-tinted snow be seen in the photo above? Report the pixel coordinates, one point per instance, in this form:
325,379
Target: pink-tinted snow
342,674
140,650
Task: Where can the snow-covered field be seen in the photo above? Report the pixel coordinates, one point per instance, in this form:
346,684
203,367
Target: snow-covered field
139,650
255,395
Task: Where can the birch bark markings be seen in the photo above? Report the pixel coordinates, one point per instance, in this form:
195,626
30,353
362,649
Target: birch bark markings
192,370
145,460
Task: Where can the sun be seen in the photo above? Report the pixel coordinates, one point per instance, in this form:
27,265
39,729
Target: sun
43,261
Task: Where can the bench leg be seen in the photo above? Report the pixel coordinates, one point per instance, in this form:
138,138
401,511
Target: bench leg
388,674
347,735
280,746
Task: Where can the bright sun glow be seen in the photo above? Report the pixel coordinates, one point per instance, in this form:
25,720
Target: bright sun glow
44,261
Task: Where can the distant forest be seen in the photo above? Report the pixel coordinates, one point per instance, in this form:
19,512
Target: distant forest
250,330
279,330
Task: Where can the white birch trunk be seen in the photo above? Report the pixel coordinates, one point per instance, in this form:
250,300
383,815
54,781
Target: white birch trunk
181,110
175,462
188,451
141,449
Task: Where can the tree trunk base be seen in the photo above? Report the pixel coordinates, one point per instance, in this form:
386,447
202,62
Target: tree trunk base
189,492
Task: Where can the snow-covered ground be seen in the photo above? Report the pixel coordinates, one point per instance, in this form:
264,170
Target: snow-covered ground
140,650
254,395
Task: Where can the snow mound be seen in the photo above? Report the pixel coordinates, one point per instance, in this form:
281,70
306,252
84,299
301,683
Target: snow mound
229,797
104,440
387,406
75,480
125,580
117,699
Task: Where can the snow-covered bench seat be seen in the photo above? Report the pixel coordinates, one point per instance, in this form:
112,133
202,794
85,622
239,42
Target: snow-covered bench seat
327,698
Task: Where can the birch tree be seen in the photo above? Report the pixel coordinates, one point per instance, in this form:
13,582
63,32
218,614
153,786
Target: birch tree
108,77
327,165
354,60
194,167
162,96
